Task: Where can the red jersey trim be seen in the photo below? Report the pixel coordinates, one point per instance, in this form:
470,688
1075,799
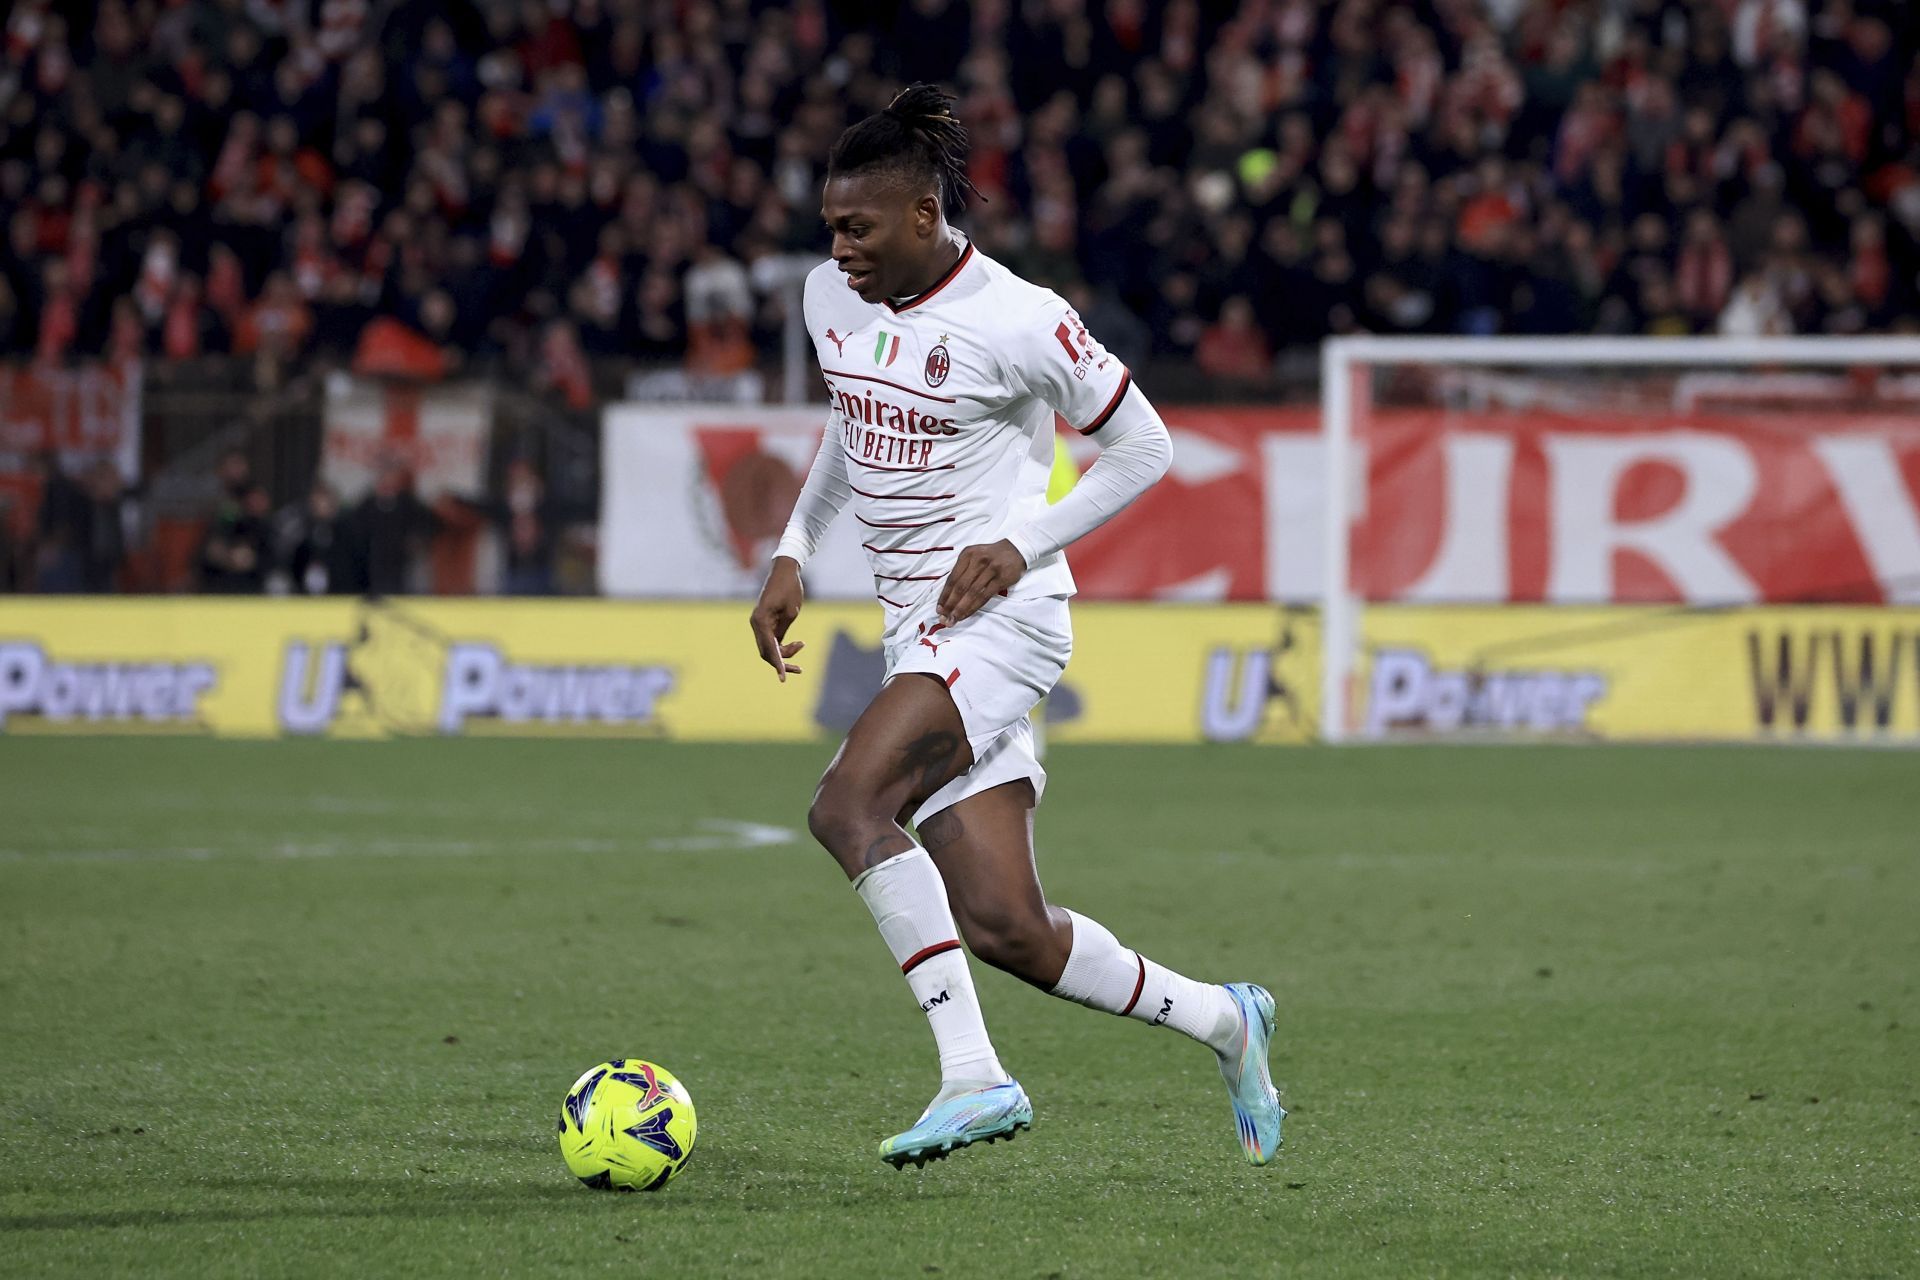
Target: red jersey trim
903,551
874,466
897,386
922,524
938,285
1126,380
903,497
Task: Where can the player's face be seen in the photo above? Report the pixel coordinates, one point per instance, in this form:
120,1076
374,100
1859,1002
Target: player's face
881,232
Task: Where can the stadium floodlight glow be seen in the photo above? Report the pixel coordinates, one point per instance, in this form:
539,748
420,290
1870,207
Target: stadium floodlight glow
1346,366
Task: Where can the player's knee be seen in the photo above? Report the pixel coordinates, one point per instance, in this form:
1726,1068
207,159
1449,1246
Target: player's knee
829,821
1018,942
840,817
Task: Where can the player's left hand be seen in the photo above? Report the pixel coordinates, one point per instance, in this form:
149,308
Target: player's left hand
982,572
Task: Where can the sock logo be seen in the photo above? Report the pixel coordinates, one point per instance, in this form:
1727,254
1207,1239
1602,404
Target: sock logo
1166,1007
926,1006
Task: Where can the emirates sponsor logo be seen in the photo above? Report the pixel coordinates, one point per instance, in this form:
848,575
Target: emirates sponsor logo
865,407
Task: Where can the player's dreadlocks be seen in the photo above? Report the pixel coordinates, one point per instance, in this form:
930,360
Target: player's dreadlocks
918,134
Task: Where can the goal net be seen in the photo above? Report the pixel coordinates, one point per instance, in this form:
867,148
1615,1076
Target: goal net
1688,539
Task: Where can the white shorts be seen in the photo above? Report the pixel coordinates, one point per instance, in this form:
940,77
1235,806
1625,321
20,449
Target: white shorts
997,664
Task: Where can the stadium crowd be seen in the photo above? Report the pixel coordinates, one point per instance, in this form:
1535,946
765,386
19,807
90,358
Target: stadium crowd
532,182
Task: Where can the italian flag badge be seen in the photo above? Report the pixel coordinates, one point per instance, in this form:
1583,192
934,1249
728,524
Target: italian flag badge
886,348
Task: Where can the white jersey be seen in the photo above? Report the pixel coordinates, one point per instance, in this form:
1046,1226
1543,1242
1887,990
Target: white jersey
943,411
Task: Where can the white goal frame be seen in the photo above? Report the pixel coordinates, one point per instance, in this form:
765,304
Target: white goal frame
1340,358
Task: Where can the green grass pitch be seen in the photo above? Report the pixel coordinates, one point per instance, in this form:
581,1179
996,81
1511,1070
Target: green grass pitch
305,1008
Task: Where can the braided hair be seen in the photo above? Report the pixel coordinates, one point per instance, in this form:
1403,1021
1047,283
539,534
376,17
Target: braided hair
917,135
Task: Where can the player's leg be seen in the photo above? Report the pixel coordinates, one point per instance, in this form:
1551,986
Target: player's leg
906,745
983,846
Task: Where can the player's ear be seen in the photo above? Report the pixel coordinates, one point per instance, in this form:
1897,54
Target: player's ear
926,216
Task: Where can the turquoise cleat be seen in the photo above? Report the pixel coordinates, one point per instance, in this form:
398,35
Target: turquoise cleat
984,1115
1256,1106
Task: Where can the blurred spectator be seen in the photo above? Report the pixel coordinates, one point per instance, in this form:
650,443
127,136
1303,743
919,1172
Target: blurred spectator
235,555
321,557
63,530
1704,272
105,542
564,366
388,528
529,520
14,575
1754,311
719,307
1233,347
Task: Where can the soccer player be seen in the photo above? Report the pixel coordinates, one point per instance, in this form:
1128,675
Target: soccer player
945,371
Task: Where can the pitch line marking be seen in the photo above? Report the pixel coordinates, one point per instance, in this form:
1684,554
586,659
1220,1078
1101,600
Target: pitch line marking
713,835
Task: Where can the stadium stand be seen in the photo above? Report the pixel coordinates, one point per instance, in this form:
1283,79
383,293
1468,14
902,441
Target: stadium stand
561,193
251,176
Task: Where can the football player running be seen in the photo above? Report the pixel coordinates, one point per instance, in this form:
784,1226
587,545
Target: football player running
945,371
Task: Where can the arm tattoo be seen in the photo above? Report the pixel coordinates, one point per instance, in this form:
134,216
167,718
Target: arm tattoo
941,830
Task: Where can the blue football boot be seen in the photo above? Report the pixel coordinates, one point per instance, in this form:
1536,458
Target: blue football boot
1257,1112
980,1115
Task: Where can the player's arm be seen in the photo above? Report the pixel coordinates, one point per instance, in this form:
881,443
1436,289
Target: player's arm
826,491
1135,452
1093,391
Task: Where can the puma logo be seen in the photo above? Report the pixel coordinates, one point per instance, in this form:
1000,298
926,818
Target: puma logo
839,343
926,635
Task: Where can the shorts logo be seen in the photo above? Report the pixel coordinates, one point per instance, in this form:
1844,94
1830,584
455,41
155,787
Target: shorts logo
938,364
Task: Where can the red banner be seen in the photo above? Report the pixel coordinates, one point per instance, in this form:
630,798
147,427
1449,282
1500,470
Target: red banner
1484,507
1530,506
1592,508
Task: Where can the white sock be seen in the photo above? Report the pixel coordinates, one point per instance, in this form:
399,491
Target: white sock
909,903
1102,974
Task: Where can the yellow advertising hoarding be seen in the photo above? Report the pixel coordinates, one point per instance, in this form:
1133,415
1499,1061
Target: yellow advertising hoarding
1785,673
1140,672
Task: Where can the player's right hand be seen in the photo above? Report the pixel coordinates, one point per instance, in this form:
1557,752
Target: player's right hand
779,605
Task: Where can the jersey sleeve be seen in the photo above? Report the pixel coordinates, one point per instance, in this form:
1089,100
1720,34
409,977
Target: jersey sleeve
1055,358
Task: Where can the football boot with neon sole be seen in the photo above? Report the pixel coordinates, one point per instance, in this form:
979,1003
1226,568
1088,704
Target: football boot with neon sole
1257,1112
982,1115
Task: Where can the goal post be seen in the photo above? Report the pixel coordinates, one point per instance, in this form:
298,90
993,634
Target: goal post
1751,430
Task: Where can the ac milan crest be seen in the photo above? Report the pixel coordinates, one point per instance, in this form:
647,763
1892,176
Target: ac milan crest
937,365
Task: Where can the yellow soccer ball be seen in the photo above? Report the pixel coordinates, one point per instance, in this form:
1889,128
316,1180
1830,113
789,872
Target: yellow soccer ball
627,1125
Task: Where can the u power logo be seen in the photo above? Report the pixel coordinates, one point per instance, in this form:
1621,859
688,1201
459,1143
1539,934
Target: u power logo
396,674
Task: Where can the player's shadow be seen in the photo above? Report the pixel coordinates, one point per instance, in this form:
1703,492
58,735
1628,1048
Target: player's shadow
358,1198
429,1197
